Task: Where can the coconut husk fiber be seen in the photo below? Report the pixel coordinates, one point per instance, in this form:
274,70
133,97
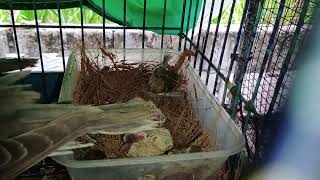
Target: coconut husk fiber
110,84
119,81
184,127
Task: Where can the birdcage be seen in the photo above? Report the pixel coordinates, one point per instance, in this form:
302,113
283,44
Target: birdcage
266,63
244,50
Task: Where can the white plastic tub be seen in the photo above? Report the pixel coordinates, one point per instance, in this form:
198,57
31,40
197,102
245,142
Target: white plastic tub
214,119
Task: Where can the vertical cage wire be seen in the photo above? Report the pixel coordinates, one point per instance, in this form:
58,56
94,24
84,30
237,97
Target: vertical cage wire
199,34
188,20
43,75
193,29
235,48
61,36
15,35
81,19
163,22
182,23
144,21
224,42
124,21
213,44
104,23
207,35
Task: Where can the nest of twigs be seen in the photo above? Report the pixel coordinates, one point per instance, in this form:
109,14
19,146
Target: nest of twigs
184,127
119,81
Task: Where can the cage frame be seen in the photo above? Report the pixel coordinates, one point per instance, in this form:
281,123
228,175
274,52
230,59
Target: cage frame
239,59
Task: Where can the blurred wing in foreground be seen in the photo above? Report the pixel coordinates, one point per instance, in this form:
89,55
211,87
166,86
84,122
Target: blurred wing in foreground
29,132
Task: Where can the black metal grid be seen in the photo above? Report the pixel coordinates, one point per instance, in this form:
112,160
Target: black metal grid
279,51
267,64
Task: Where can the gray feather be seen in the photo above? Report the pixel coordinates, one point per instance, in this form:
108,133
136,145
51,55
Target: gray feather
30,132
5,156
16,149
36,144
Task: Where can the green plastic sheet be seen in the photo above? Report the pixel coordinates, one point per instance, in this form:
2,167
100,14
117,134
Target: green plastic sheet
114,11
154,13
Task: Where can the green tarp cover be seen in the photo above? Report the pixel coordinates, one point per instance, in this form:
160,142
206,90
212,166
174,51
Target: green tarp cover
114,11
154,12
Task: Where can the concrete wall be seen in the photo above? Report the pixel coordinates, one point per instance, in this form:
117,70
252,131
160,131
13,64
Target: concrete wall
50,43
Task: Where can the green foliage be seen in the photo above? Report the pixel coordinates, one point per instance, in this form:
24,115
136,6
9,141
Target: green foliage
72,15
4,17
51,16
290,13
237,14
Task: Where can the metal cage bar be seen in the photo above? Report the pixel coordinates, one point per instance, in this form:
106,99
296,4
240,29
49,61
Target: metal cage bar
144,21
182,22
43,76
223,45
163,21
233,55
81,18
61,36
124,21
188,21
214,41
15,35
199,34
104,23
194,22
207,35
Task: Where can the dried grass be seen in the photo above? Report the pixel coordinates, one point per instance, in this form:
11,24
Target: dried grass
110,84
182,123
120,82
